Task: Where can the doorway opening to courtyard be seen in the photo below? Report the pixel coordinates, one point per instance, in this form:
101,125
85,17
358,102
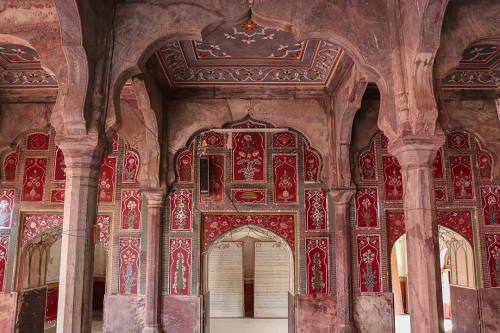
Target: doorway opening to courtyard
248,280
457,271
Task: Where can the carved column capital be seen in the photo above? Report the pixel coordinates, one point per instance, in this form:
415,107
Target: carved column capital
81,151
416,151
342,195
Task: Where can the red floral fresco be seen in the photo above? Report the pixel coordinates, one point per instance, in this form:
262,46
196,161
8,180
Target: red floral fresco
369,263
180,266
459,221
107,180
130,250
440,193
104,223
493,257
316,201
461,175
37,141
6,207
215,226
484,164
395,221
131,209
458,140
248,196
393,182
185,166
130,166
35,224
248,124
115,140
312,165
490,202
60,166
34,179
213,139
57,196
248,157
51,309
284,140
216,187
367,166
4,248
367,207
438,165
10,166
285,178
384,141
317,265
181,210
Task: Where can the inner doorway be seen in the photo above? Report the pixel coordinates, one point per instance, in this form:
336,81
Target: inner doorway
248,278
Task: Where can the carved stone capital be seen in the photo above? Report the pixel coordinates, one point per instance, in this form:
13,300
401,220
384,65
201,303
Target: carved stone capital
81,151
416,151
342,195
154,197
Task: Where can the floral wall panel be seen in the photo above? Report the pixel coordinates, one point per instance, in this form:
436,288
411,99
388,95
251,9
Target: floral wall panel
180,266
316,201
285,178
60,166
34,224
115,140
438,165
216,185
395,221
458,140
37,141
51,307
34,179
248,157
181,210
6,207
284,140
4,248
369,263
459,221
10,166
367,165
107,180
215,226
213,139
312,165
104,223
131,209
440,193
57,196
493,257
317,265
248,196
484,164
185,165
367,207
130,166
461,176
130,249
393,182
490,201
384,141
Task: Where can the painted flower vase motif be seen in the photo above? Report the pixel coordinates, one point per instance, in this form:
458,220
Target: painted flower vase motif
496,255
369,275
317,280
492,210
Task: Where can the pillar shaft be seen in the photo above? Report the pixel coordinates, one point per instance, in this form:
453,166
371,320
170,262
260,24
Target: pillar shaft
416,156
341,198
154,202
74,312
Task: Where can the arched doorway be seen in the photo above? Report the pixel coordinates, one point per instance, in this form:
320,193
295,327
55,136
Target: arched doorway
457,269
247,278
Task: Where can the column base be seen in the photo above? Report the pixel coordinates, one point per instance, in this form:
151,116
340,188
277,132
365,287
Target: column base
345,328
151,329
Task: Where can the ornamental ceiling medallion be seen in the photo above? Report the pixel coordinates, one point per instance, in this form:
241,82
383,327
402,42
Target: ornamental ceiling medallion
249,54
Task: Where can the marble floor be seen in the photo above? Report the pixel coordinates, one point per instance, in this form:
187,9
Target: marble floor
403,324
248,325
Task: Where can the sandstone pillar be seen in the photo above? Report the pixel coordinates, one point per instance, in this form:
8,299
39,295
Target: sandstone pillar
82,160
416,156
341,198
154,203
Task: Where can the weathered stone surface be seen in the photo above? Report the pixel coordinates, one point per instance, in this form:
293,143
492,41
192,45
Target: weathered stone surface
180,314
489,300
464,309
123,313
314,313
374,313
8,302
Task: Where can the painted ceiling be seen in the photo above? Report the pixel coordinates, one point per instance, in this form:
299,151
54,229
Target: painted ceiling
20,67
248,54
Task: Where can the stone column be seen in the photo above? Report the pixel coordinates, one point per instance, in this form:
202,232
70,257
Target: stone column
416,156
154,202
341,198
74,313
